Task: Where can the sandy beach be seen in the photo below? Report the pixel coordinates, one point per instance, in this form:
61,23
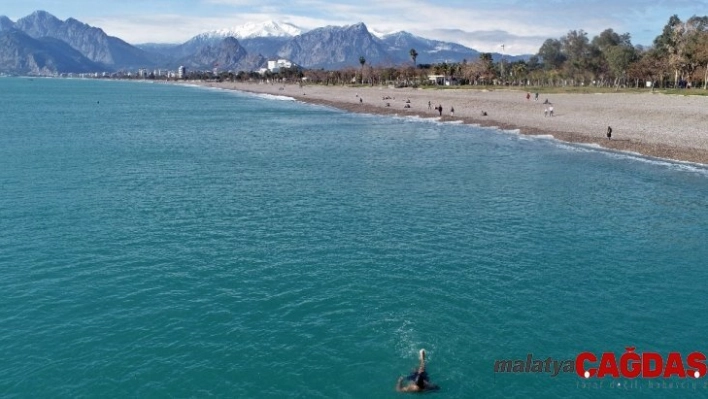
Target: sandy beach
656,125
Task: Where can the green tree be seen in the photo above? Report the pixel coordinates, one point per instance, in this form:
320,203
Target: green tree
486,67
665,41
551,55
362,61
609,38
583,59
696,47
414,55
519,71
617,51
670,44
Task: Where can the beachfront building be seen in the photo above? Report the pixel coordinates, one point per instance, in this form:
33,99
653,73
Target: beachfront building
181,72
437,79
443,80
275,66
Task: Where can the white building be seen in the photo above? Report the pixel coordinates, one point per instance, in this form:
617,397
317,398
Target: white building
181,72
274,66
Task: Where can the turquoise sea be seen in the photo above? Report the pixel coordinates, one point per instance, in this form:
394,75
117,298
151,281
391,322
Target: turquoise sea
161,241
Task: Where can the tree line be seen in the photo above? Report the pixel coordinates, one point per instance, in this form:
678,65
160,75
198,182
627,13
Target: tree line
678,58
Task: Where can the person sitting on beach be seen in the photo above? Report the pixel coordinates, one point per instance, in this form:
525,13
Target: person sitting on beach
546,102
419,381
484,113
609,133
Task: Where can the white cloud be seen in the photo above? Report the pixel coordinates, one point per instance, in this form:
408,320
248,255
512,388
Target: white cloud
483,24
171,28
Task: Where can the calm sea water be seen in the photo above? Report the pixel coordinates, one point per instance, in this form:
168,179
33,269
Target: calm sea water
165,241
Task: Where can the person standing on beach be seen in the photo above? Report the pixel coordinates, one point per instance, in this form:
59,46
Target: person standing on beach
545,112
528,96
609,133
550,110
535,98
430,106
452,111
440,109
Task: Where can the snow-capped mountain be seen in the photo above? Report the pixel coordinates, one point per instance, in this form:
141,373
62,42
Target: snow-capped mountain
255,29
42,44
380,34
429,51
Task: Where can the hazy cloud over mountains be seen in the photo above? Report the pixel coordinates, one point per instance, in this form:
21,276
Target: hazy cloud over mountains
484,24
42,44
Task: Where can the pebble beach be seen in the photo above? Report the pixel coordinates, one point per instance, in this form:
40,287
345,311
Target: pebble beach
651,124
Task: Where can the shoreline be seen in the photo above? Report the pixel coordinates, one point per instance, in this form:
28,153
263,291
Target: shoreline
653,125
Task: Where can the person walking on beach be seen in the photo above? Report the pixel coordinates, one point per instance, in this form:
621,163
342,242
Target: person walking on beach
550,110
440,109
419,381
452,111
609,133
535,98
528,96
430,106
545,112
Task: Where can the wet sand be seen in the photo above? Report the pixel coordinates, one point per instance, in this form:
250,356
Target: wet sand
657,125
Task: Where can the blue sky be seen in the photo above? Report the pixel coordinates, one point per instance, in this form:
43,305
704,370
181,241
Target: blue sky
521,25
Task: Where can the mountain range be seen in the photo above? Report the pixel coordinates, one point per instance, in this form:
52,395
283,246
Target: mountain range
41,44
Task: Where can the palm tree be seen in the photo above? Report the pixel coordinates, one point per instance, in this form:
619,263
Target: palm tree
519,71
414,55
362,61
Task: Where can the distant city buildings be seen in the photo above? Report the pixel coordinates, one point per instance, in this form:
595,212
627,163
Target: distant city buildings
275,66
176,74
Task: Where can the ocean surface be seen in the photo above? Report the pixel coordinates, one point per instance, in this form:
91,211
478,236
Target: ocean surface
163,241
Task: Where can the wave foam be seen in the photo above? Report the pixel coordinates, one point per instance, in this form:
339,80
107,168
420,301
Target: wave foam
273,97
683,166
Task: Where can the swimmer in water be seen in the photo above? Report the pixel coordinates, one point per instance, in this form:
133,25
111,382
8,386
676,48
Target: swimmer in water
419,381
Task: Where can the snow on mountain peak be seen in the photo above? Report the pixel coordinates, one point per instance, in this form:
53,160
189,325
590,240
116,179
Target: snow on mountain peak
257,29
381,34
